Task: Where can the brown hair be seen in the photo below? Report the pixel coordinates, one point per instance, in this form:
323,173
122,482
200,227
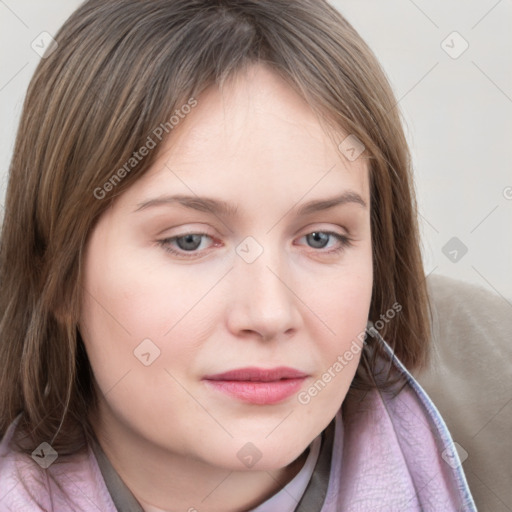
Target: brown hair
121,68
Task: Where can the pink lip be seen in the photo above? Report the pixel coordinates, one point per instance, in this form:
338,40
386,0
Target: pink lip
258,385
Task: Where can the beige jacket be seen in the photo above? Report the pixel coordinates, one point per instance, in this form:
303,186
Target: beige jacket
470,381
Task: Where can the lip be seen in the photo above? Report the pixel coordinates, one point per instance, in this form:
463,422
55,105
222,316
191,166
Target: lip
259,386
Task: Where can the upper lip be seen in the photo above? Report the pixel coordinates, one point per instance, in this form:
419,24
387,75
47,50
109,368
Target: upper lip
258,374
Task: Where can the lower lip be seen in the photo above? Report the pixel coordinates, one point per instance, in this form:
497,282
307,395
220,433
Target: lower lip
260,393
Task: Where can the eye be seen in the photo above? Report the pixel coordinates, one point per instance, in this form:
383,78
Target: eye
321,239
186,243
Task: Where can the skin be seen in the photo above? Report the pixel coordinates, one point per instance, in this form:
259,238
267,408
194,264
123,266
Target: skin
172,438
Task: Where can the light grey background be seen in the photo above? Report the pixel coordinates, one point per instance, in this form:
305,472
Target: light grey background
457,109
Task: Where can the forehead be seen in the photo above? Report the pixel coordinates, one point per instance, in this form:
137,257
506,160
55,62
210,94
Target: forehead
255,137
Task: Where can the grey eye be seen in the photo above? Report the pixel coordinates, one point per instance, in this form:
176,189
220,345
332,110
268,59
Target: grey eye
318,239
189,242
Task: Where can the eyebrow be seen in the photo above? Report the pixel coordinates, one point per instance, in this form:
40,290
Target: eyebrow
229,210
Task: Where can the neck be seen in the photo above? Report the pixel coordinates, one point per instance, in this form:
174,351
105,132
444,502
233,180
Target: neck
162,481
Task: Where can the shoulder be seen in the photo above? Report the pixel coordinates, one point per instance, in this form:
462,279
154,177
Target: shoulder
471,351
461,306
19,478
393,442
45,481
469,379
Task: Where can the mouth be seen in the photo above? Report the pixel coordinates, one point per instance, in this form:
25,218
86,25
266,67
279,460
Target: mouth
258,385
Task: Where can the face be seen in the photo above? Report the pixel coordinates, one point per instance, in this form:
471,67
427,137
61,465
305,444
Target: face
225,316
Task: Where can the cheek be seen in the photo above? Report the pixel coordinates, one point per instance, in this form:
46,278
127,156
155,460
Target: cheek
345,298
142,331
133,312
344,304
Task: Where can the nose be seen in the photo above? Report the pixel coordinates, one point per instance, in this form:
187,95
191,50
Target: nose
263,302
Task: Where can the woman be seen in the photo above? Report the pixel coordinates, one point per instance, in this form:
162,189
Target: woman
211,277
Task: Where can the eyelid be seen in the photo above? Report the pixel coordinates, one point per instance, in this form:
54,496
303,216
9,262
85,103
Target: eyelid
344,240
165,244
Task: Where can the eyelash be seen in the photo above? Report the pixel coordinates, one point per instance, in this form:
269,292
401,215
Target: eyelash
344,240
